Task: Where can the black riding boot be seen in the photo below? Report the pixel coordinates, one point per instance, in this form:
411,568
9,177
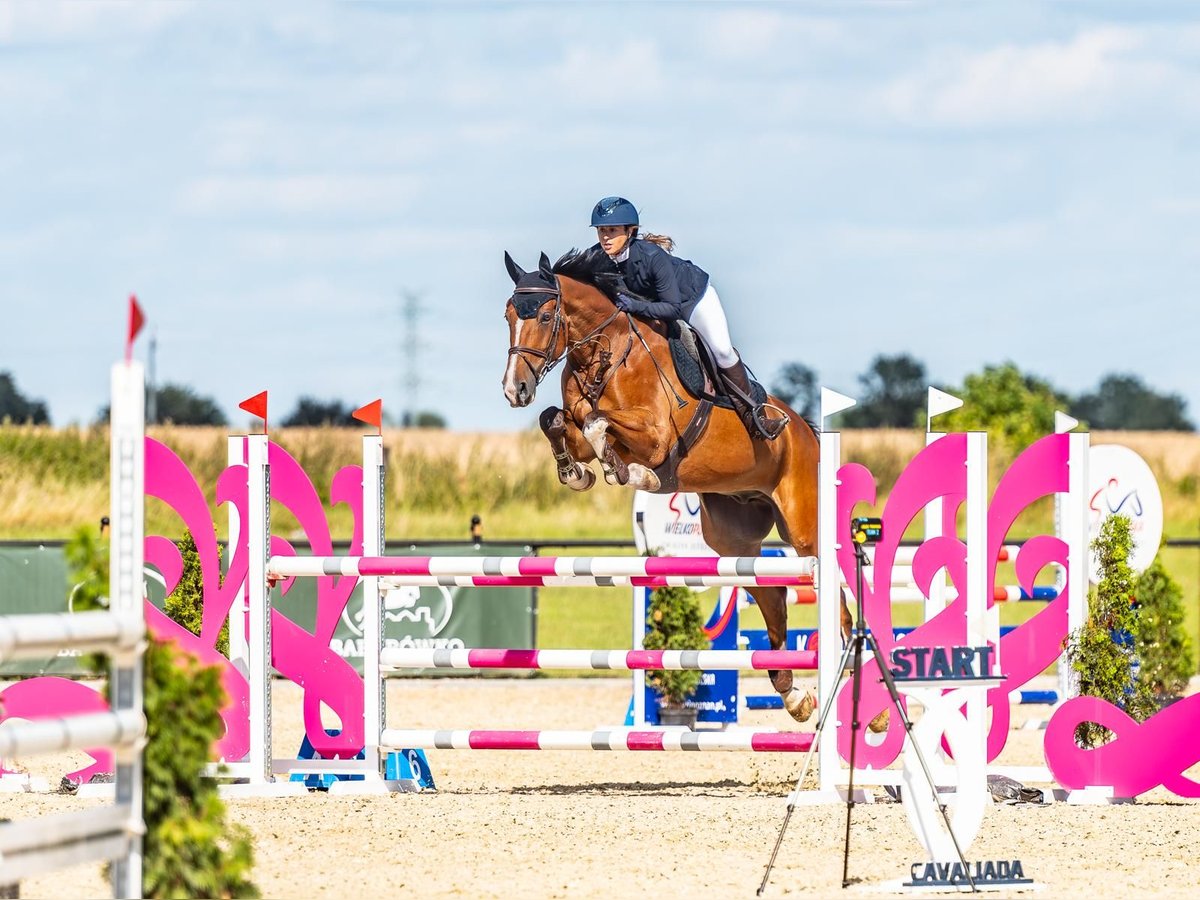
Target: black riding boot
737,381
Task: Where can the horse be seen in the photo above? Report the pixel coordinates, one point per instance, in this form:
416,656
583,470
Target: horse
623,404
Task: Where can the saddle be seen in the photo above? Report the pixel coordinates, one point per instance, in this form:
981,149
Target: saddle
697,372
696,368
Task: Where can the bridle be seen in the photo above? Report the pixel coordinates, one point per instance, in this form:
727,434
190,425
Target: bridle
548,364
607,365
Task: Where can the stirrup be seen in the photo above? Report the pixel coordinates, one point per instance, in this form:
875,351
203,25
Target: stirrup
768,429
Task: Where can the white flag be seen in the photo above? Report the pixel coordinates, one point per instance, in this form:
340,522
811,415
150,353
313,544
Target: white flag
833,403
941,402
1063,423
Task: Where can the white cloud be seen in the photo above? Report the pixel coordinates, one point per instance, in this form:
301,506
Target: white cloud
384,244
610,75
1080,78
336,193
751,35
279,141
63,21
909,242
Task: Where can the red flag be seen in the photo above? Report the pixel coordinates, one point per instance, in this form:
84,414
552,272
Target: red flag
372,414
256,406
136,320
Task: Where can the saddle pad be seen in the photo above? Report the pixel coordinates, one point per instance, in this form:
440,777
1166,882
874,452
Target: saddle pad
687,367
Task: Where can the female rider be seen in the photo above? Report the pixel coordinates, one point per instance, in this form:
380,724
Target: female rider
679,290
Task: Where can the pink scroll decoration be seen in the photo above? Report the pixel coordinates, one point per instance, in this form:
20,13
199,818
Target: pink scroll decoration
302,656
1025,652
1139,758
170,480
305,657
49,697
939,470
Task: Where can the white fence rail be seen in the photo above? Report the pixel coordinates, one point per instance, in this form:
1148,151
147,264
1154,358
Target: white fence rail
114,833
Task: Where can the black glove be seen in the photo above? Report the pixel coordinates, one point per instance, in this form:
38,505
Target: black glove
626,303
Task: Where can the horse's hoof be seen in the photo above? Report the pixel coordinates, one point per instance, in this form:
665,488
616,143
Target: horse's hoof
642,478
581,479
799,705
879,724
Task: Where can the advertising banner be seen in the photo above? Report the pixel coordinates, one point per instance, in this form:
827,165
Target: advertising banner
432,617
1120,482
33,579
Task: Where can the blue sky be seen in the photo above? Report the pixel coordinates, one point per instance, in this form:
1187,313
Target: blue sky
965,182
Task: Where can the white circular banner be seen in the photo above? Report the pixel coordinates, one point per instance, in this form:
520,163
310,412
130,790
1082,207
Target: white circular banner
1119,481
669,524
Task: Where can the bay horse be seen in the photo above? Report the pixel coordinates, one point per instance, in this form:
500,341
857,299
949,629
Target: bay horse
623,404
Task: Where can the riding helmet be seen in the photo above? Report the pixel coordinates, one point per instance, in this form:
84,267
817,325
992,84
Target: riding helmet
614,211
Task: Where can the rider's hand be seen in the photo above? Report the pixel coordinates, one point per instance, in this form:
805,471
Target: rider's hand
625,303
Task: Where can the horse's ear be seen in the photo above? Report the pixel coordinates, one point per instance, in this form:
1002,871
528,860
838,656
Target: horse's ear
515,272
545,268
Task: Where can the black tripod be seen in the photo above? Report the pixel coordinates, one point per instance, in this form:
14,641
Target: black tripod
862,530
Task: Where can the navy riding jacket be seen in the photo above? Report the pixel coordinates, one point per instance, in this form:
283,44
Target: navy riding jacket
675,285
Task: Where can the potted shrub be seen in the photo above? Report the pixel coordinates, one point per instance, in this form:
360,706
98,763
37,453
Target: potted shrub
674,622
1102,653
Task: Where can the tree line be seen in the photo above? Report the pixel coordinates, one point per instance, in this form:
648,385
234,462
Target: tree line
179,404
893,394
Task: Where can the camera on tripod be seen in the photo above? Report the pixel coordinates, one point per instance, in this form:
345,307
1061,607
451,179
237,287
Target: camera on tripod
866,530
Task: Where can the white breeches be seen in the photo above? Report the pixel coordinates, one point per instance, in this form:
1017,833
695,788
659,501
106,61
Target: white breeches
708,318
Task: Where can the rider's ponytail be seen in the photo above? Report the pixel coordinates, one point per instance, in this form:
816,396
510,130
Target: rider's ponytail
661,239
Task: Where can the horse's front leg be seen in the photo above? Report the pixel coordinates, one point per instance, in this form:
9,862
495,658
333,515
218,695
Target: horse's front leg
595,430
576,475
596,427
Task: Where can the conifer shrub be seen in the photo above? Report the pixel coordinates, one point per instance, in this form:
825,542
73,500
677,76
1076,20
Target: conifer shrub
185,604
1163,645
189,850
1102,653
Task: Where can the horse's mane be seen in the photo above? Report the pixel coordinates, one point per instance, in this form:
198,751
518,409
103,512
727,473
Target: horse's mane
595,267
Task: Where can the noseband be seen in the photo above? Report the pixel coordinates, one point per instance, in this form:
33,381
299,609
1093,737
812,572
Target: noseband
547,363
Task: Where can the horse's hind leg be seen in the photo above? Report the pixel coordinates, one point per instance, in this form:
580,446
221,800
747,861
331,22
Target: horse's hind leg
736,528
574,474
796,518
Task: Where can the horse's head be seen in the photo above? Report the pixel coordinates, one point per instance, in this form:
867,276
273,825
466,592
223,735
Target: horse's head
535,329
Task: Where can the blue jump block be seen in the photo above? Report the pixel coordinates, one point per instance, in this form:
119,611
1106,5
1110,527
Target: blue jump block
399,765
1040,593
402,765
321,781
1030,697
767,701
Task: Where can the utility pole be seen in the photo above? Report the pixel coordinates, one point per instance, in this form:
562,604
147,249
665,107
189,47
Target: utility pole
411,310
152,379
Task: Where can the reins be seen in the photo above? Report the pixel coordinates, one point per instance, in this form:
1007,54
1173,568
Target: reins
662,376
